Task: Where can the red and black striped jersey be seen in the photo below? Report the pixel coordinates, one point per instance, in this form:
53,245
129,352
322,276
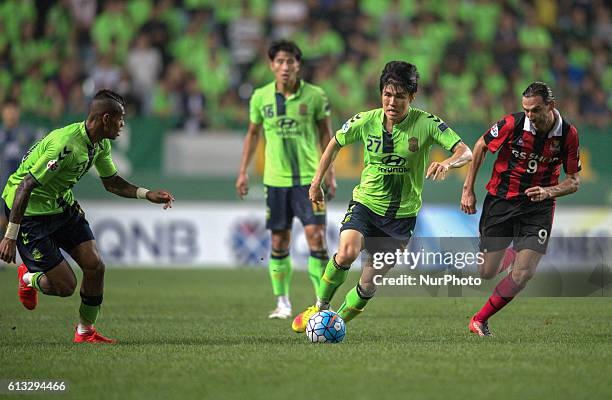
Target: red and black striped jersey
526,158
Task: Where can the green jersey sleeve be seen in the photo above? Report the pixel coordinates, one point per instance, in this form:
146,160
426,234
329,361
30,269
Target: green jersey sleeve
323,108
350,131
104,162
255,115
50,162
443,134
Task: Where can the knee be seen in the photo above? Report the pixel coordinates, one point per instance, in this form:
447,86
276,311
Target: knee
347,254
316,240
96,265
280,243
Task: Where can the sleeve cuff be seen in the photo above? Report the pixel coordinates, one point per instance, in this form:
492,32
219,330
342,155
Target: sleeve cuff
456,143
110,176
35,179
339,144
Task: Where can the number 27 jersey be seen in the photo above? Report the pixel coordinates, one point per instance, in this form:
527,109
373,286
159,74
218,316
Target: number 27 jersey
395,162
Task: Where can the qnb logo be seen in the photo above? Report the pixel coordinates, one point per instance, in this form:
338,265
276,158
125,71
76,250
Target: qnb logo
287,126
393,164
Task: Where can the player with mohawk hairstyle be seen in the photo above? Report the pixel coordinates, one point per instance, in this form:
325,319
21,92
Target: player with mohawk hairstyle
44,217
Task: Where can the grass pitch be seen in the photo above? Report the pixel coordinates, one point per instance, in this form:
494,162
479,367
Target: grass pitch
205,334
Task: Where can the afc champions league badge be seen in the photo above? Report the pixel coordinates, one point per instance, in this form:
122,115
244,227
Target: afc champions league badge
52,165
494,130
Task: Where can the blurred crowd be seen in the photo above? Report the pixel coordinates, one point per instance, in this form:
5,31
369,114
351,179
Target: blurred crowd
199,60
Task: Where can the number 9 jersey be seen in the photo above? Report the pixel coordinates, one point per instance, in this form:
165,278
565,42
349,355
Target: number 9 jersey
527,159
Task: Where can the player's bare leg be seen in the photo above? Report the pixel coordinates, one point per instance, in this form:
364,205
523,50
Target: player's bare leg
491,266
357,298
525,265
522,271
280,273
315,236
58,281
351,243
88,258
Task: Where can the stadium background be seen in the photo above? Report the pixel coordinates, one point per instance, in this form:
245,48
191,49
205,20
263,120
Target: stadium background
188,68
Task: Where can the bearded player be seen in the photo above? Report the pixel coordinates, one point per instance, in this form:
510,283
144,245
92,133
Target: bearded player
519,207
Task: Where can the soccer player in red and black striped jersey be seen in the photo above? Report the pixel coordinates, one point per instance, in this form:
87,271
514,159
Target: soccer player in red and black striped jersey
520,203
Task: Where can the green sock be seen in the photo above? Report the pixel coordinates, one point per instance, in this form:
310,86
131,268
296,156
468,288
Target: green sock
88,314
332,278
353,305
316,267
34,281
280,274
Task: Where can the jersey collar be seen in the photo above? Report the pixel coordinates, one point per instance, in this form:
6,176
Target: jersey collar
297,93
84,135
555,131
402,124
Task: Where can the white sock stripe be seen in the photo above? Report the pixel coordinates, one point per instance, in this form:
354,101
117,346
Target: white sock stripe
27,278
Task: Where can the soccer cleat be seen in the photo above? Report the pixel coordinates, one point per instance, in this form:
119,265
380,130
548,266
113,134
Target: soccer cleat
480,328
280,313
28,296
301,320
91,337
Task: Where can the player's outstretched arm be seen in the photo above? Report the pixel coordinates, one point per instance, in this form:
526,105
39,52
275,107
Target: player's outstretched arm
248,149
329,155
20,204
569,185
468,197
119,186
461,156
325,136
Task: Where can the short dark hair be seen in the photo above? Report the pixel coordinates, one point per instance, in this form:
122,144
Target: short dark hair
284,45
400,74
539,89
107,101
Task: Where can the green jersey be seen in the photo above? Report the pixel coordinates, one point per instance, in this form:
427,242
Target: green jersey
57,162
290,129
394,162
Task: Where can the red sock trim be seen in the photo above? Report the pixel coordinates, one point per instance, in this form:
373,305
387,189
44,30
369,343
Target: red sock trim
503,294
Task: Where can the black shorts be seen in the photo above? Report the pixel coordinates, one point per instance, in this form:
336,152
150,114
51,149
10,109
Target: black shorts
522,222
284,203
380,233
41,237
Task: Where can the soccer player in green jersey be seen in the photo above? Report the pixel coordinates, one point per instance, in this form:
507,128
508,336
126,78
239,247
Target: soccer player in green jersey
396,139
44,216
295,117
